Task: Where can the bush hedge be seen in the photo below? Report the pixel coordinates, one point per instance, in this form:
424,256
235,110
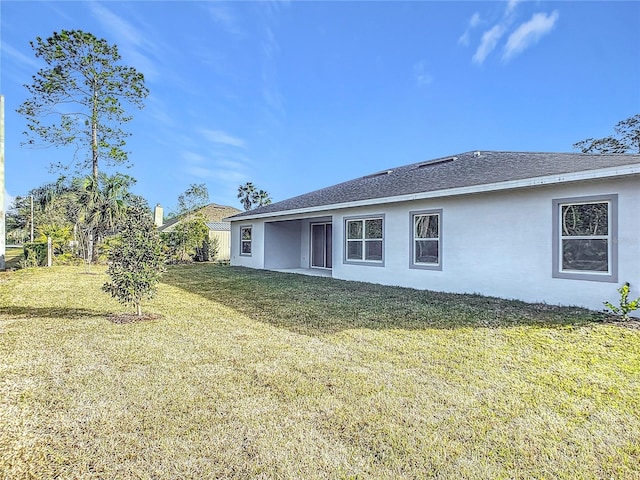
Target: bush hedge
35,254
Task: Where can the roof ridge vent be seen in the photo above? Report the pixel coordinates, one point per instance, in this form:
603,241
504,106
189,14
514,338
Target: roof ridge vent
436,162
378,174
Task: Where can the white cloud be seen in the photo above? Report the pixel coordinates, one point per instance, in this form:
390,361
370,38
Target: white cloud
199,172
122,29
160,115
474,21
522,38
511,6
210,168
129,40
271,95
215,174
464,38
218,136
19,56
529,33
193,158
423,78
221,14
488,43
223,17
228,175
230,164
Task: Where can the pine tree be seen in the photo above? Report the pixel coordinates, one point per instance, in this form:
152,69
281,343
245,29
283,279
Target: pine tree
78,98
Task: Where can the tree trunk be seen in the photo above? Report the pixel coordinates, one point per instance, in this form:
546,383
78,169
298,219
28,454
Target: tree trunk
94,134
95,240
139,309
90,247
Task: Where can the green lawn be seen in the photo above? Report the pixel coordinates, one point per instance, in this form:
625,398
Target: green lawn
253,374
13,257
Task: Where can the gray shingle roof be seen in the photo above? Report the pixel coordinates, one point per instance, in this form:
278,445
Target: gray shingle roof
462,170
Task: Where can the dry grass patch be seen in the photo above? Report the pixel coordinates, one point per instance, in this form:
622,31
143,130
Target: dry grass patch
263,375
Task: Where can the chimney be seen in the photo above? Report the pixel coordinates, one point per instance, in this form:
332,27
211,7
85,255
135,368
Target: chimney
158,216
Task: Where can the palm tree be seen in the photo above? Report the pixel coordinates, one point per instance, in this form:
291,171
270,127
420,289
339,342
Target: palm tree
102,206
245,194
95,207
260,198
111,203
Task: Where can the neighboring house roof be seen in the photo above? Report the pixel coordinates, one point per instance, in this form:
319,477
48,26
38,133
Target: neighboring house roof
212,213
463,173
219,226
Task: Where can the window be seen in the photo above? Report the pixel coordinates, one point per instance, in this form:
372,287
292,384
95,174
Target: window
585,238
364,240
245,240
426,239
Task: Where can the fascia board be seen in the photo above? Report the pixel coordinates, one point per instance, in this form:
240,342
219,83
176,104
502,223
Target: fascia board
619,171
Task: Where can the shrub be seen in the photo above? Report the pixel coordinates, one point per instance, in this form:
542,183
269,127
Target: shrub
35,254
203,251
60,237
208,250
67,259
626,306
188,241
105,247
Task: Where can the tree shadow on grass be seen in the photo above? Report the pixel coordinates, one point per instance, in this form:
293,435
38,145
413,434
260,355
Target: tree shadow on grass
50,312
319,305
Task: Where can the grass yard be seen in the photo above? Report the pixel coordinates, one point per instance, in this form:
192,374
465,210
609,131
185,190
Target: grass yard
13,257
253,374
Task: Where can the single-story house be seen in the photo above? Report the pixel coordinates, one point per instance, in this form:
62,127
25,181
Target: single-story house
218,228
560,228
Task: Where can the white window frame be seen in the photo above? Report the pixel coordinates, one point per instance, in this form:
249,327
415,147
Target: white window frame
413,216
249,241
611,275
363,240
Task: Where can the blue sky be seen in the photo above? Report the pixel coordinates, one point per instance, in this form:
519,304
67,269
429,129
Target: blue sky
296,96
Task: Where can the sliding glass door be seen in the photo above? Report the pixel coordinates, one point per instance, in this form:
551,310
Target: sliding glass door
321,245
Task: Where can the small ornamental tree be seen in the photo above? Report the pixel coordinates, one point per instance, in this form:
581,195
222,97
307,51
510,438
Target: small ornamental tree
136,262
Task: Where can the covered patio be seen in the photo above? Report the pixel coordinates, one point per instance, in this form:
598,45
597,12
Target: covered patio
301,246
